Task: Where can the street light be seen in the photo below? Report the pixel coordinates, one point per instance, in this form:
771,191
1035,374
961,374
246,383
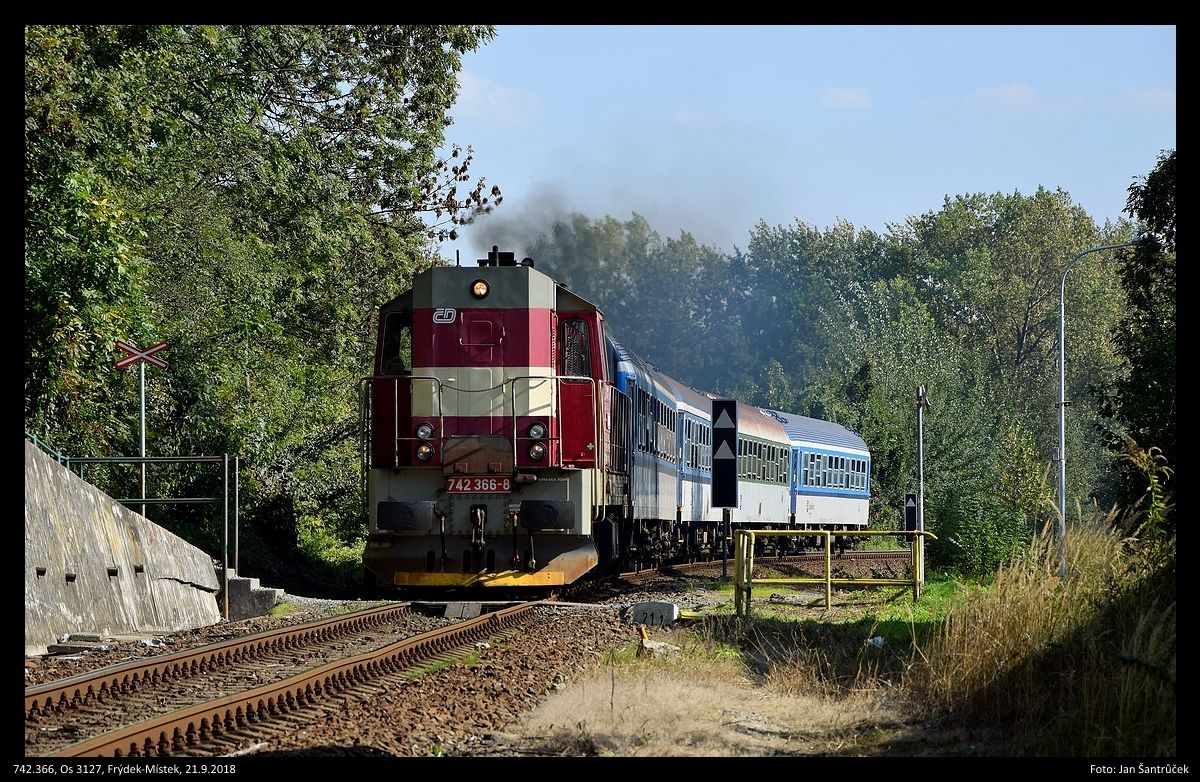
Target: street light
919,541
1062,399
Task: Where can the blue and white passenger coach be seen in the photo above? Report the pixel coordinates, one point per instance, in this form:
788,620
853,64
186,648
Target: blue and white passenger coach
829,473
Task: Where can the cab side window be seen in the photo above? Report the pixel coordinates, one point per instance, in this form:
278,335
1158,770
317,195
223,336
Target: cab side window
574,356
397,343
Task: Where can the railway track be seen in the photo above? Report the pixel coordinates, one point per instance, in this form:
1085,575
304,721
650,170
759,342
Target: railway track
223,723
201,700
218,699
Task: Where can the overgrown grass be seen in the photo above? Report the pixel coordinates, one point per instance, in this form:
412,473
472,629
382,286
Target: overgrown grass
1076,666
1081,666
828,652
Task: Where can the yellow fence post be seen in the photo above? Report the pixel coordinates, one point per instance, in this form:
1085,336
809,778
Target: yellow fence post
828,572
748,568
737,574
913,553
919,586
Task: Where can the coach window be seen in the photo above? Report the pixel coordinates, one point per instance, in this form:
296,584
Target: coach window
694,449
687,443
397,343
674,437
658,427
647,423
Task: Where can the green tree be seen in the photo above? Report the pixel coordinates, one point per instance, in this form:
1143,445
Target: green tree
990,267
251,193
985,487
1141,404
83,272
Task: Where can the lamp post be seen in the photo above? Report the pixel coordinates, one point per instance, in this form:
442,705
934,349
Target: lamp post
1062,399
919,541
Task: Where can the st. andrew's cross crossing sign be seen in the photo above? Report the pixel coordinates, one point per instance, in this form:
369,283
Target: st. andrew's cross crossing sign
724,457
137,354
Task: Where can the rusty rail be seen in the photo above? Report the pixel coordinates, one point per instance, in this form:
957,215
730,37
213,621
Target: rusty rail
189,728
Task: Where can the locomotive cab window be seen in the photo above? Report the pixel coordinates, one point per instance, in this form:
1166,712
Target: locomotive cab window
574,356
396,358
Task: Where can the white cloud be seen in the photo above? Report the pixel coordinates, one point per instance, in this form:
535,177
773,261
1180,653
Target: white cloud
1023,99
482,100
1153,99
1006,98
846,97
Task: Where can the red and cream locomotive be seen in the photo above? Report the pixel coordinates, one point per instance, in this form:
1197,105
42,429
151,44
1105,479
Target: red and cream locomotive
513,443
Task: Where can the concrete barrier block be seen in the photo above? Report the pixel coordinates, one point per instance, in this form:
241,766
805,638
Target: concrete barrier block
94,566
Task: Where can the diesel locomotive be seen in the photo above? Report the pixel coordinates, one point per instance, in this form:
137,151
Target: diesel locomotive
511,441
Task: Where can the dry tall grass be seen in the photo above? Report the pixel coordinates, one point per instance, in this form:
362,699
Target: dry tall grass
1081,666
1033,664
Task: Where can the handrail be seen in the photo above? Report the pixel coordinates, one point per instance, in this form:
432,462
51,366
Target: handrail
58,457
222,498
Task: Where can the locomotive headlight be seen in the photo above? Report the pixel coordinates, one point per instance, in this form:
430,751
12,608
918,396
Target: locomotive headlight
424,452
425,431
480,288
537,431
537,451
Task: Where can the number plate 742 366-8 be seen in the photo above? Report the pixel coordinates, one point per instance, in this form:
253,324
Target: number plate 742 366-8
478,484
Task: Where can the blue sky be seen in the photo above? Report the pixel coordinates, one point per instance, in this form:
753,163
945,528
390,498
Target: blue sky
710,129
